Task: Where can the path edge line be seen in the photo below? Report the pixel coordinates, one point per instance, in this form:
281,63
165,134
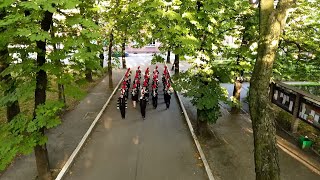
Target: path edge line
196,141
67,165
203,157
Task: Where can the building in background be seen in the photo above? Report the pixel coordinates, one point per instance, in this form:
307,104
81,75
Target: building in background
153,47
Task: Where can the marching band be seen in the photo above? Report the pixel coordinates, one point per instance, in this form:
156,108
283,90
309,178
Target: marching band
144,90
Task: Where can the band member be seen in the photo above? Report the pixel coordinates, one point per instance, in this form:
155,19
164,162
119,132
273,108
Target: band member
135,95
164,76
155,80
147,72
156,71
146,90
143,104
126,89
146,79
138,72
137,82
167,95
128,78
164,81
122,104
154,96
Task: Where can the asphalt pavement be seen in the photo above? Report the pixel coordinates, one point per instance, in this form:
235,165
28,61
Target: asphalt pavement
158,148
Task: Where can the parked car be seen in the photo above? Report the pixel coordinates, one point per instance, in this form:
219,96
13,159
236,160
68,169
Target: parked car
118,54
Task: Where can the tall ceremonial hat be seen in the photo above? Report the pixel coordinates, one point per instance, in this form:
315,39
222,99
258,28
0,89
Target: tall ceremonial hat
157,67
123,87
165,71
138,69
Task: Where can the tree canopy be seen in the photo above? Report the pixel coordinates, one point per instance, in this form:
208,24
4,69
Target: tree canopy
58,42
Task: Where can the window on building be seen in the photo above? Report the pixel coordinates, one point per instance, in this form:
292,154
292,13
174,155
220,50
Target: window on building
152,43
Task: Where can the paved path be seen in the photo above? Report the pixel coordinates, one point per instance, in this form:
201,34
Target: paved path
64,138
157,148
230,153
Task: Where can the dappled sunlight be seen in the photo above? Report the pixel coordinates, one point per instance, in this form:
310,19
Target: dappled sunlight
224,140
135,140
274,43
248,130
88,161
107,123
88,101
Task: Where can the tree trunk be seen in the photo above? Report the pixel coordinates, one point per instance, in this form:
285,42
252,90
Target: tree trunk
236,95
203,129
42,160
110,81
168,57
61,94
13,107
101,56
123,49
176,63
109,60
110,54
88,71
41,152
265,151
89,75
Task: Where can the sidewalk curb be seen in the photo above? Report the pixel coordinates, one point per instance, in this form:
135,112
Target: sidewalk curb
203,157
67,165
308,164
